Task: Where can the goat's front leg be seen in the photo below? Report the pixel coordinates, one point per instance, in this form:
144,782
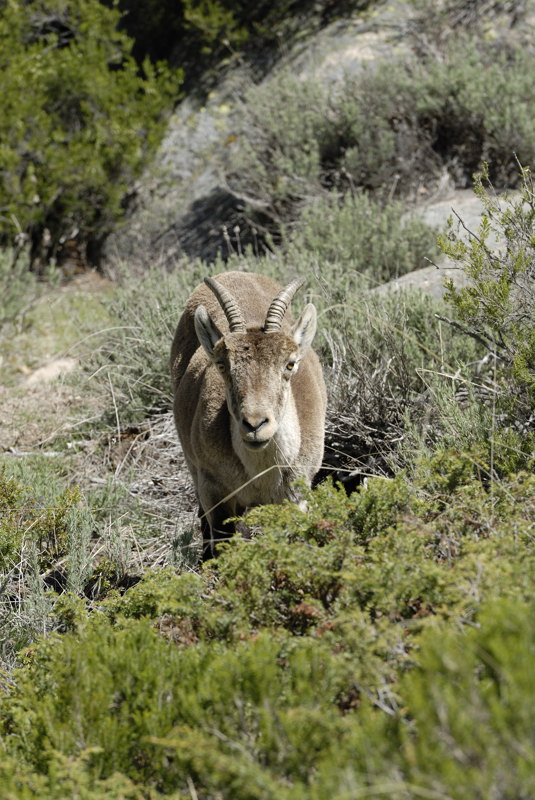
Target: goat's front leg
215,515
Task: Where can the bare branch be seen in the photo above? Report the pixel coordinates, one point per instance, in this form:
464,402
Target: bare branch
483,338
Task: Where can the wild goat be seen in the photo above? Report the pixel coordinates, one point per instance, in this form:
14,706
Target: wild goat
249,397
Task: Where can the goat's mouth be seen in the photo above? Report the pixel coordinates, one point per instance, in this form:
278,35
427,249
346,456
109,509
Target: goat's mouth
254,444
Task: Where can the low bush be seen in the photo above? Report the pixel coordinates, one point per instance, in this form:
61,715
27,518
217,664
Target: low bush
330,653
391,366
470,733
284,129
54,543
358,236
410,376
28,523
392,130
42,525
130,362
432,25
498,305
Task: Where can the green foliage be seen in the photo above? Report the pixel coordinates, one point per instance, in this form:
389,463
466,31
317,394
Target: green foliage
25,519
471,731
444,20
199,34
215,20
284,128
131,359
390,130
72,147
67,777
372,644
388,549
237,22
136,712
357,234
391,361
44,535
328,655
498,306
499,303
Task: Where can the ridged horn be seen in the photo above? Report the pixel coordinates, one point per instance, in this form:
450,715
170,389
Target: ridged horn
236,321
277,309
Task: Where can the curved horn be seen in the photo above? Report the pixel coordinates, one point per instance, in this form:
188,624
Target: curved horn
278,306
229,305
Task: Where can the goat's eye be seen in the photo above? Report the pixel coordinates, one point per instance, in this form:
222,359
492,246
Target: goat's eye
290,366
220,365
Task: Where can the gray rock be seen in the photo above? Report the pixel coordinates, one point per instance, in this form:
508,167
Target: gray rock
466,209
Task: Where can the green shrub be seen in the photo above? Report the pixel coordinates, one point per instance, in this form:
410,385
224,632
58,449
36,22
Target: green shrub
330,654
471,732
498,309
434,112
25,519
389,361
43,542
199,34
499,303
395,549
136,712
391,130
356,234
284,128
67,777
444,20
72,147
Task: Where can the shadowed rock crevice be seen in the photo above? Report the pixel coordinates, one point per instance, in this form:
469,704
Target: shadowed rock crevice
206,230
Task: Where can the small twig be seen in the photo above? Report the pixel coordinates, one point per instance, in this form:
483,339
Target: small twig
5,583
483,338
471,233
117,420
11,451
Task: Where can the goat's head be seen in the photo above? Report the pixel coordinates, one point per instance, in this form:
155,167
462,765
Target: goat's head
256,364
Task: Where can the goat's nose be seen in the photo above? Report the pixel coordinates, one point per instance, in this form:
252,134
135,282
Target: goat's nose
253,424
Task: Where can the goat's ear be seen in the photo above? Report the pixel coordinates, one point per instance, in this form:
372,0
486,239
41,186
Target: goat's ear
305,328
207,333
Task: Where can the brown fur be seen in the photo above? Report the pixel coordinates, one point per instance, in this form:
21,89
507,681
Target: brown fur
228,475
